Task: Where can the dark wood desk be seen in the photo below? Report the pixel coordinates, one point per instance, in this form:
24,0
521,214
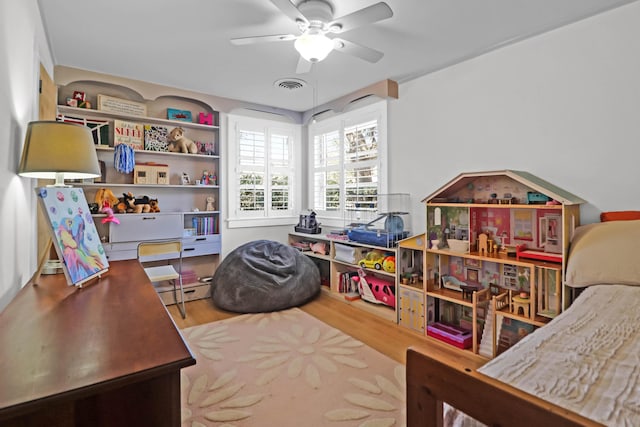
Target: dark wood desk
107,354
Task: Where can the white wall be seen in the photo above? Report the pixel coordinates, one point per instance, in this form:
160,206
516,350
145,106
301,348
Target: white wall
22,48
564,106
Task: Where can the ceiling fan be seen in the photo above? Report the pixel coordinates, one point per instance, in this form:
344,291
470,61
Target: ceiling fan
318,28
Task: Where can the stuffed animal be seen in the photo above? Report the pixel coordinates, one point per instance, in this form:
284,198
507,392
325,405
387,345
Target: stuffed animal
153,203
105,197
125,203
180,143
106,201
141,204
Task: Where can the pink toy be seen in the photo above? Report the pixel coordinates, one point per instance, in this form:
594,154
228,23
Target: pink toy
376,290
205,119
319,248
110,216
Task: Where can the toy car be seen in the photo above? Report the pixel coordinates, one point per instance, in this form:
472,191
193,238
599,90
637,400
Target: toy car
373,259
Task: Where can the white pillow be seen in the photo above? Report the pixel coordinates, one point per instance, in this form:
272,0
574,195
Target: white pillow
605,253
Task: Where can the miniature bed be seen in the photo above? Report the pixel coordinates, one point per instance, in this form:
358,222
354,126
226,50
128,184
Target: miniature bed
581,369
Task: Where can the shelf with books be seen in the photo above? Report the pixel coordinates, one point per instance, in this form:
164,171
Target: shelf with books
185,184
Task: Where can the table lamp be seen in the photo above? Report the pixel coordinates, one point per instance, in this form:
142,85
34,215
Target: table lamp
58,150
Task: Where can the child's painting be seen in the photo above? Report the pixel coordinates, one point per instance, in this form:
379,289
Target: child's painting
74,233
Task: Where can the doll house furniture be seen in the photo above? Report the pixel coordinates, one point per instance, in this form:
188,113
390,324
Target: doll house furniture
578,370
485,232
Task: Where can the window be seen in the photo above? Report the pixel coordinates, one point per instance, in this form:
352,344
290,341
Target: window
264,161
347,163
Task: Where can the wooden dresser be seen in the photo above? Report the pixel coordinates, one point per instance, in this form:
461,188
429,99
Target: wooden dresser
107,354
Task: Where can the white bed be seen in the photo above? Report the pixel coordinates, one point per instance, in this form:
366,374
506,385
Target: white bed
587,360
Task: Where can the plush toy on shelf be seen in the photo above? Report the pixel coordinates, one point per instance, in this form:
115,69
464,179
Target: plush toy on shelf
180,143
106,200
153,203
125,203
140,204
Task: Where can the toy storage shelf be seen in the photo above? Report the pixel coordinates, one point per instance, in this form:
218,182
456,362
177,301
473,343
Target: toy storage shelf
488,215
331,269
173,185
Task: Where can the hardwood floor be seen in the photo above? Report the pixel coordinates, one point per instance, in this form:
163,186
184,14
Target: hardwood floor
383,335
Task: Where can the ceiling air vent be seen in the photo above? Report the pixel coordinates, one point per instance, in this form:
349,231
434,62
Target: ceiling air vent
290,84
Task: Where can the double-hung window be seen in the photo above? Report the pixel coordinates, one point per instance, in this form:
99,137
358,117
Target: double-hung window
265,163
347,163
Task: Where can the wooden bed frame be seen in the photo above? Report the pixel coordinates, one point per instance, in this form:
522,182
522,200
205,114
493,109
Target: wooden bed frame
433,377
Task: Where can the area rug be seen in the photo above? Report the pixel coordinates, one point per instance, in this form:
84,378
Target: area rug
287,368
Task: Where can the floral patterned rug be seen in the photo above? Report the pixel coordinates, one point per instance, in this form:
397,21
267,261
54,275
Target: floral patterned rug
287,368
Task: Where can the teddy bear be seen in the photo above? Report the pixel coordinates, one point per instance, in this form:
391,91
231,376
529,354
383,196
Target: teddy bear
180,143
153,203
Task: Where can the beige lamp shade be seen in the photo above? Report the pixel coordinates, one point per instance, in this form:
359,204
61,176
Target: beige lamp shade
57,150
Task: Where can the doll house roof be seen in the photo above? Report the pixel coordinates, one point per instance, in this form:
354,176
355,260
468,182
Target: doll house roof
502,182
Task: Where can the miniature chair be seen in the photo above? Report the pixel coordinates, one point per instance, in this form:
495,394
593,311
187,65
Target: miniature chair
165,250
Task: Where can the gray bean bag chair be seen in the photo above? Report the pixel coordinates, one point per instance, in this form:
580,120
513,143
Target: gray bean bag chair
263,276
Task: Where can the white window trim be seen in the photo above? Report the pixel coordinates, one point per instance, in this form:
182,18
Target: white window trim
236,219
376,111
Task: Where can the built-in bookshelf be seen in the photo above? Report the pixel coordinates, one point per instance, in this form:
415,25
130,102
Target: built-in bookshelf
185,185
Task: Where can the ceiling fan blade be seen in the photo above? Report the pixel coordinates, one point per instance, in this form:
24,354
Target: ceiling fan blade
303,66
368,15
290,10
263,39
357,50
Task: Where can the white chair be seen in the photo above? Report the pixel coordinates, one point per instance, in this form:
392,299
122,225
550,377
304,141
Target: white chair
149,252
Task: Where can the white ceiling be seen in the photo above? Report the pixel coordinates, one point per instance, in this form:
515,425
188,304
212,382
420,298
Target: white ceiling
185,43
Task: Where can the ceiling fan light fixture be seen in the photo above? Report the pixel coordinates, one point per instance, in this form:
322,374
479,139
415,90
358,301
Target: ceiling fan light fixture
314,47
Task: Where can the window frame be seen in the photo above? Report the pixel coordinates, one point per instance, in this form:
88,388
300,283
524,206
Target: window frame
376,111
264,217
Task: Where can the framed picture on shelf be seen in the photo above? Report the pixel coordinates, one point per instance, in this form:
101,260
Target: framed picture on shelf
129,133
186,180
182,115
121,106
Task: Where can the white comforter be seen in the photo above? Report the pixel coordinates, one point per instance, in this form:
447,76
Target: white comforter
586,360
